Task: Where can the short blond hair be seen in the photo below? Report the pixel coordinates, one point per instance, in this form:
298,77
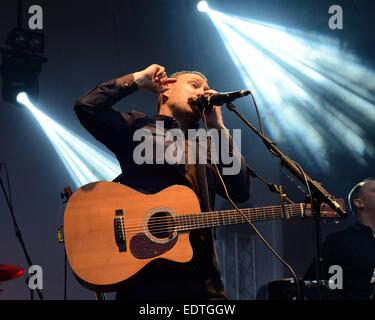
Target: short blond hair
179,73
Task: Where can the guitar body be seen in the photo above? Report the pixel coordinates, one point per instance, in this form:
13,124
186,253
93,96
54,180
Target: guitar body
112,231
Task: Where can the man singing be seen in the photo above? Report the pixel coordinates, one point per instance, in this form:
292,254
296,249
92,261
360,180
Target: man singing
162,279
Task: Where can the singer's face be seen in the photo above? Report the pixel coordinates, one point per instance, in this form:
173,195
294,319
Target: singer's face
187,86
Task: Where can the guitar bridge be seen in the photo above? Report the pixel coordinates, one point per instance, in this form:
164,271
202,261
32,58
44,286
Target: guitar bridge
119,227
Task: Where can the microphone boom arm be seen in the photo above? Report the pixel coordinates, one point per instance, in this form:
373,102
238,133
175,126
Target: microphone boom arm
316,188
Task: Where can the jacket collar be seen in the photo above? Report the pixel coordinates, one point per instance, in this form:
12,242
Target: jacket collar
360,227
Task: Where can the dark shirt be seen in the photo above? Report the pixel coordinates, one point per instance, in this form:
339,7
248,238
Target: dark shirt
354,250
162,279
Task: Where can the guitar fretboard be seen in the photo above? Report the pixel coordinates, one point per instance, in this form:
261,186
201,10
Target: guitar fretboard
230,217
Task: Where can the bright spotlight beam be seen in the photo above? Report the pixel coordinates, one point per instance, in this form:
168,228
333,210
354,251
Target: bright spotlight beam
314,95
202,6
84,162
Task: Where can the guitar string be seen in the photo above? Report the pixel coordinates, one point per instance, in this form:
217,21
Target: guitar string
181,227
161,227
209,217
215,214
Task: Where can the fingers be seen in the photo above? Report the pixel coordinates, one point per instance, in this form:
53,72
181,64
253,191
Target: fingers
163,84
154,72
157,78
160,75
167,80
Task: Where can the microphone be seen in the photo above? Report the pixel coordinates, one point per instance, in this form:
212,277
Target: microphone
218,99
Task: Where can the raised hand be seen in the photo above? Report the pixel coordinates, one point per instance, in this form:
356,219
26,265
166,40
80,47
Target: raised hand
153,78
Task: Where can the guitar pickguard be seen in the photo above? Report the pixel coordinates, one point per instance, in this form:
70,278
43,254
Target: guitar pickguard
142,247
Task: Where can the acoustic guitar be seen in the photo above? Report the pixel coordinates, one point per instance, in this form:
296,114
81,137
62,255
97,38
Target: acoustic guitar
112,231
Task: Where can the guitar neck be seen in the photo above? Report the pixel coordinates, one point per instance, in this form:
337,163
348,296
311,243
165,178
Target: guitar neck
231,217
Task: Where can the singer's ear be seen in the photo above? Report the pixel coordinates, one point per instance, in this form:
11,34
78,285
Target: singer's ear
164,95
358,202
166,90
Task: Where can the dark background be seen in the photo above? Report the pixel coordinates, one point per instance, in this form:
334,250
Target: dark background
89,42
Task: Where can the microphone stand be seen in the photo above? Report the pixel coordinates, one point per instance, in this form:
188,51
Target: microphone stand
20,239
318,193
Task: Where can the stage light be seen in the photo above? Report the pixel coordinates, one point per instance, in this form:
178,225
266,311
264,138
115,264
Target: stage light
84,162
309,98
21,64
20,40
202,6
20,71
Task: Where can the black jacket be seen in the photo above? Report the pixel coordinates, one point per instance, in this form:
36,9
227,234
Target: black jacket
354,250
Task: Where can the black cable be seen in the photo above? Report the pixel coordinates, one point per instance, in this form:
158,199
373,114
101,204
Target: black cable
19,13
17,230
257,113
251,224
67,192
274,188
317,262
8,181
259,119
305,178
271,186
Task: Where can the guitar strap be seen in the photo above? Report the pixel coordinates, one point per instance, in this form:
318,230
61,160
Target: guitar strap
191,169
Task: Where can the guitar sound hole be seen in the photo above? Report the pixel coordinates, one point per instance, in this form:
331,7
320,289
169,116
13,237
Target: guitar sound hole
161,225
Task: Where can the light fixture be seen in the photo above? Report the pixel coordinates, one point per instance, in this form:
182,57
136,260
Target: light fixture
202,6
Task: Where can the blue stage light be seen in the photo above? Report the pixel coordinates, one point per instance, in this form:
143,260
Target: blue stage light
84,162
